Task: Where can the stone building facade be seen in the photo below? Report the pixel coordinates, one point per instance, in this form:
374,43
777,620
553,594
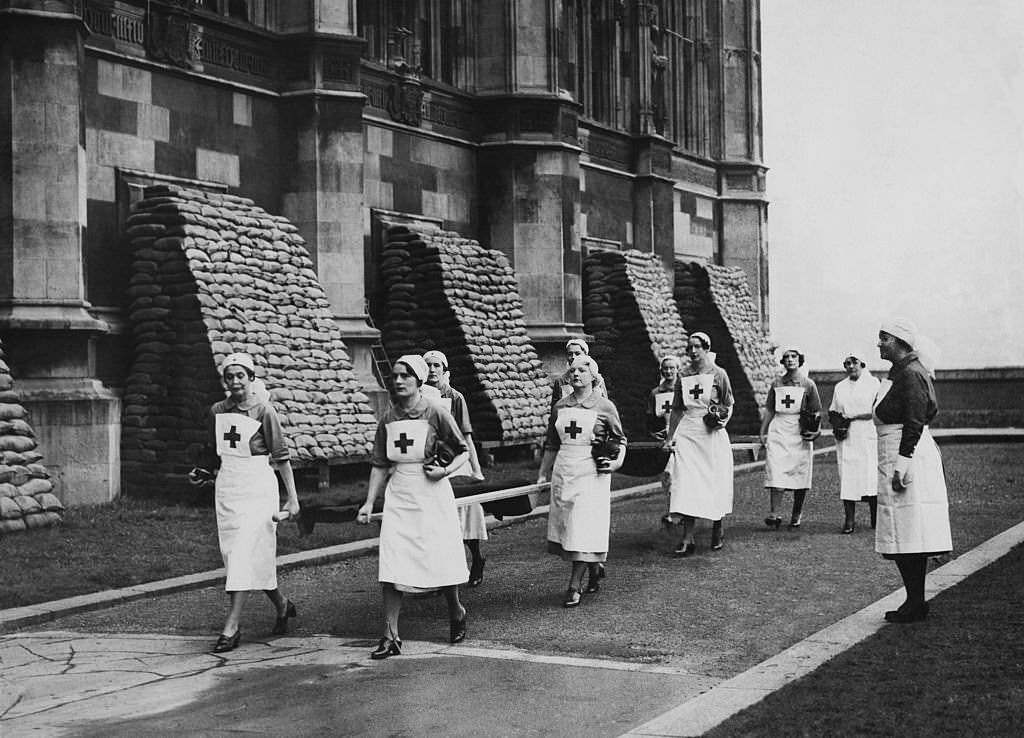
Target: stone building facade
543,128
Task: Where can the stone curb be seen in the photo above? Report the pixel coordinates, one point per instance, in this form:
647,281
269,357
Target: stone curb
709,709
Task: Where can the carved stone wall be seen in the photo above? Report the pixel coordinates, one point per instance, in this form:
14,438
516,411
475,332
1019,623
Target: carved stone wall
442,291
213,274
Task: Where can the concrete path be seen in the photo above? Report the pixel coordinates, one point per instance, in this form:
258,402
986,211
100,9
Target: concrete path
83,684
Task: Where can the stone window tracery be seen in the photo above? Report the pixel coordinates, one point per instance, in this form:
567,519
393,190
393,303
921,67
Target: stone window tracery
420,38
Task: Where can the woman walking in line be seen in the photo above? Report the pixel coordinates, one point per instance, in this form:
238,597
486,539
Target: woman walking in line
913,511
701,467
420,546
659,402
856,441
471,517
248,438
788,429
579,518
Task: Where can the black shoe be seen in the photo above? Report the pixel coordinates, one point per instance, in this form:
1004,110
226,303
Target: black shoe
668,522
457,630
685,549
794,522
594,577
281,624
387,647
848,527
773,521
910,615
476,573
572,597
227,643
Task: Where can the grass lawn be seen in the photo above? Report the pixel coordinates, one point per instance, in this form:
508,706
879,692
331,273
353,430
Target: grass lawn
131,540
960,673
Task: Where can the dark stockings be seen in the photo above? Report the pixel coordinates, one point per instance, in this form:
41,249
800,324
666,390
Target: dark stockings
799,496
850,508
873,504
473,544
913,568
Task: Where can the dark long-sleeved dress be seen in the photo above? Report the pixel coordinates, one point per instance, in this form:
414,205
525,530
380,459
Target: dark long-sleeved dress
916,519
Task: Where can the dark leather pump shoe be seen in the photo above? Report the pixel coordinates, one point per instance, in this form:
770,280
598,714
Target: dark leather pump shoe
457,630
227,643
387,647
572,597
773,521
281,624
910,615
685,549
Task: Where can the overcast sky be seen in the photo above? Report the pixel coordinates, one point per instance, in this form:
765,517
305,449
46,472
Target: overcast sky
894,137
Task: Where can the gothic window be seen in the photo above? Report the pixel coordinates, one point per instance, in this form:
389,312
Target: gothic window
680,40
423,37
595,59
246,11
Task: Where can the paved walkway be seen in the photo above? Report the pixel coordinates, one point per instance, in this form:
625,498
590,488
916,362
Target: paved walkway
73,683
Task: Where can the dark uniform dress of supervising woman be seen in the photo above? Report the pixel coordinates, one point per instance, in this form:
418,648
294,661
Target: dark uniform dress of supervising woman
913,509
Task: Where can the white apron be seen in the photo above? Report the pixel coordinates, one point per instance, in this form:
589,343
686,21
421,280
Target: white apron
245,500
857,457
663,404
915,520
579,514
701,467
420,538
857,454
473,523
790,459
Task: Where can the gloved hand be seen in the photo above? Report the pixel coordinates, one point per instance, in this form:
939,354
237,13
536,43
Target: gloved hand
901,473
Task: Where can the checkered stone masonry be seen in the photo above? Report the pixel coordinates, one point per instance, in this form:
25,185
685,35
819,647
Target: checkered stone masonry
213,274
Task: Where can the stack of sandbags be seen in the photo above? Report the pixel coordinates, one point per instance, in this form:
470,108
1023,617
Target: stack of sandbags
213,274
442,291
628,309
717,300
26,496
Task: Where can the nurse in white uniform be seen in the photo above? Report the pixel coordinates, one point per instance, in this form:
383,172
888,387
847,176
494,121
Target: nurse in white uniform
420,546
789,444
251,445
701,467
471,517
579,515
850,415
